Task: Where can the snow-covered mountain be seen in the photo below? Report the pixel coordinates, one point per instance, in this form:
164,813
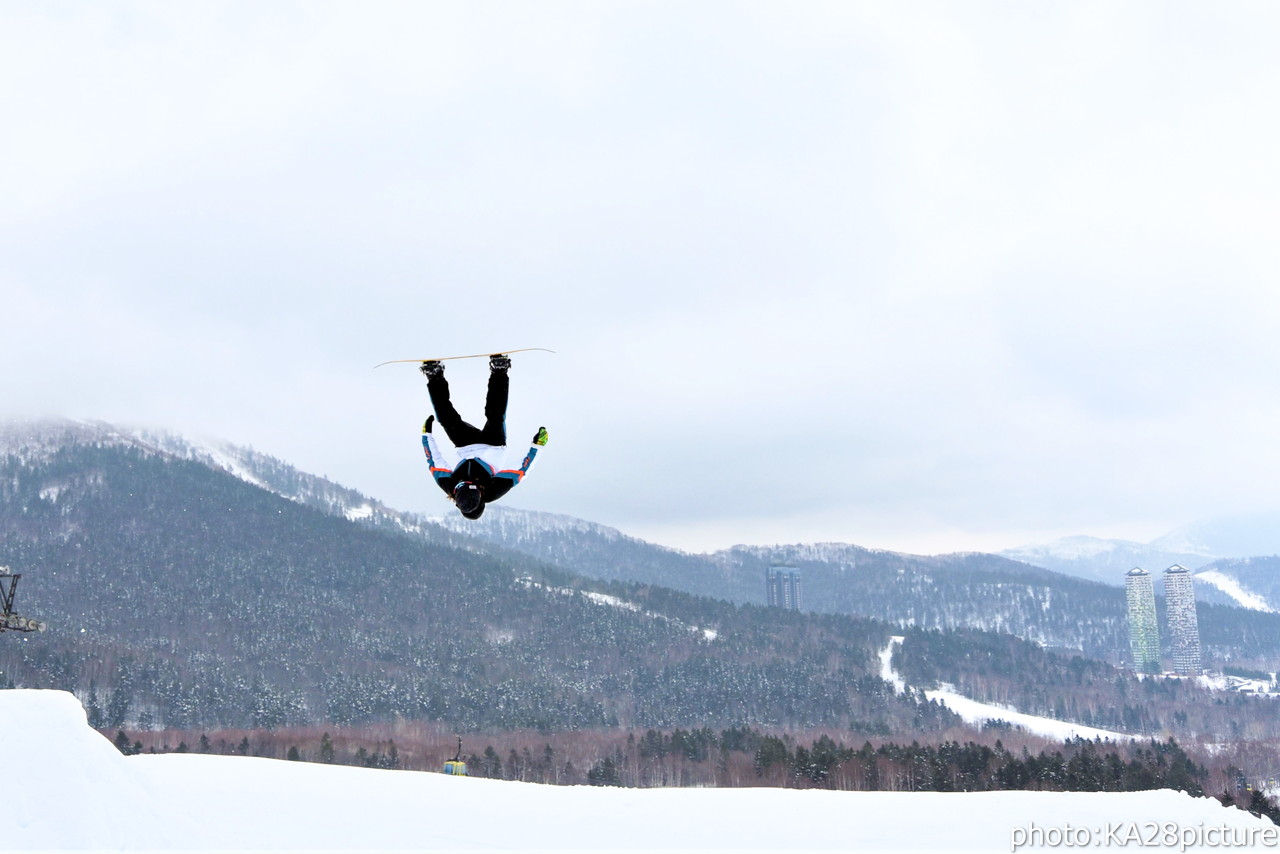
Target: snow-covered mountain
603,552
1229,555
1020,592
1103,560
183,536
36,440
988,592
1237,536
546,535
243,608
77,792
948,591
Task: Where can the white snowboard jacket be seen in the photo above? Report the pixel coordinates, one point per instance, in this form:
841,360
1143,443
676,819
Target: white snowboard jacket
478,464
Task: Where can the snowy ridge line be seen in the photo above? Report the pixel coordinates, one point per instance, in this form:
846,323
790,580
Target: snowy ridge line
39,439
833,553
1234,589
218,454
509,525
524,524
977,713
615,602
1071,548
246,465
312,490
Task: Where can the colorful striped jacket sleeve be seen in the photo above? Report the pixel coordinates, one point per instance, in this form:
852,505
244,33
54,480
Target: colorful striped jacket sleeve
517,475
436,460
502,481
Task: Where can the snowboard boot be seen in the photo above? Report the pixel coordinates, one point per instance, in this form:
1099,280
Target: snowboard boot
499,363
431,369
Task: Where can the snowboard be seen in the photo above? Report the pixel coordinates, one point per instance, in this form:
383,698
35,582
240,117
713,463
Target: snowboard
472,356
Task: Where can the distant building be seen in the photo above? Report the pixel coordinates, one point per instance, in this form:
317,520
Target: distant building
782,586
1144,634
1184,628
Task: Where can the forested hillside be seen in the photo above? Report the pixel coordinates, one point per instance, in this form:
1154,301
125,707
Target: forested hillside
945,591
179,595
995,668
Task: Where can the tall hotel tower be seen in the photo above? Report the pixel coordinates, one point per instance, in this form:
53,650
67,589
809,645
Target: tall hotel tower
1184,628
782,587
1144,635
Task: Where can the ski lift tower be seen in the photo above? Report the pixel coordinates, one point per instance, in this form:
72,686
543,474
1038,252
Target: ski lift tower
9,621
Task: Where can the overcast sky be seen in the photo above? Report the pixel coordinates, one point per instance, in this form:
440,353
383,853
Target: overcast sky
922,276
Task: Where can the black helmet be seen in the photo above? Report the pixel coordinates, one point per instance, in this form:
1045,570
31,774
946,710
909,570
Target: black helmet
467,496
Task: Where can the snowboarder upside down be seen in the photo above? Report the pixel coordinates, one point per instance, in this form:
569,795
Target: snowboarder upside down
476,479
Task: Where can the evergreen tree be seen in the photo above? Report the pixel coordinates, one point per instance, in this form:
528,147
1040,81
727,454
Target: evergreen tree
93,707
491,764
604,773
772,751
548,765
121,696
1263,806
515,768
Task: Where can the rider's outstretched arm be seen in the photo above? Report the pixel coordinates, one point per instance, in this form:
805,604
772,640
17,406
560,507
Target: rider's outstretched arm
516,475
435,459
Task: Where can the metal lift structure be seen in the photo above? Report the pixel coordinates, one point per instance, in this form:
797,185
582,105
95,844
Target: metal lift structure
9,621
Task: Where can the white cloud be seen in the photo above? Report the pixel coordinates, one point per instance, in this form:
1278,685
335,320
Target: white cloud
973,269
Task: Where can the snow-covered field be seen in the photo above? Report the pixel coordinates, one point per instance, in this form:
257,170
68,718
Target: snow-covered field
70,789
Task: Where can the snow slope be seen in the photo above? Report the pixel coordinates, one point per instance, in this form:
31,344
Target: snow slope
70,789
977,713
1234,589
614,602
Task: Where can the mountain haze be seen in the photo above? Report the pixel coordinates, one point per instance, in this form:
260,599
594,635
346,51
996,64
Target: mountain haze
1103,560
1219,545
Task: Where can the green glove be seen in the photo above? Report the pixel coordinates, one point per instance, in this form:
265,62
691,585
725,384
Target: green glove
540,438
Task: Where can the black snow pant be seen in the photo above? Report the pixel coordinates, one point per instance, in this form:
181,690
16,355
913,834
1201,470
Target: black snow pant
461,433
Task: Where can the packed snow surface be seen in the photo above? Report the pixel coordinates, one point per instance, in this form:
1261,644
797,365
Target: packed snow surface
70,789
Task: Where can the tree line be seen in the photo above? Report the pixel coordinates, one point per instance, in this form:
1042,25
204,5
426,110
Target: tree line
735,757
